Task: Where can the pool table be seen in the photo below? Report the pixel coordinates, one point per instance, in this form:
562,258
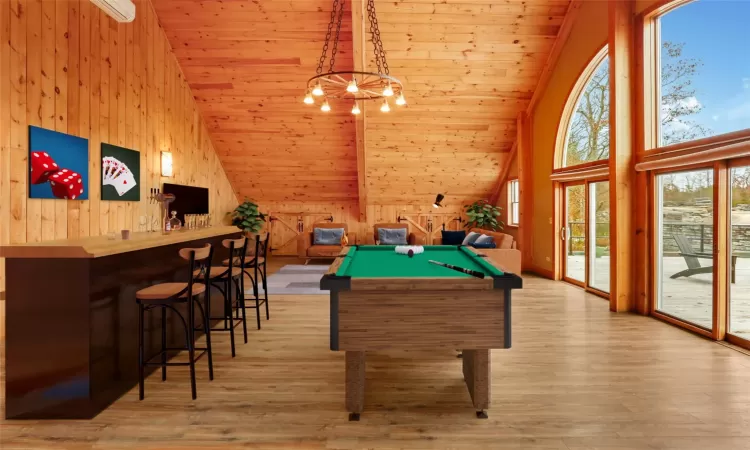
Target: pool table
381,300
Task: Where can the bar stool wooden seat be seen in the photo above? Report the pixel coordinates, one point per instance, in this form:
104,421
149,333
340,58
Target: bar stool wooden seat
168,296
165,290
257,262
223,278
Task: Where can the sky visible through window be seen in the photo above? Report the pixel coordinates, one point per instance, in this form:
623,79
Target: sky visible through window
712,37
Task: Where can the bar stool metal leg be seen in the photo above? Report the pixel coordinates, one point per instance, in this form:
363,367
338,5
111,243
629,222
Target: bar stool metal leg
207,329
265,289
163,344
228,306
141,359
257,311
191,344
239,284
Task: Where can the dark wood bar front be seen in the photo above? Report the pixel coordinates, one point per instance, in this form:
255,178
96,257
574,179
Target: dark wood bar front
72,319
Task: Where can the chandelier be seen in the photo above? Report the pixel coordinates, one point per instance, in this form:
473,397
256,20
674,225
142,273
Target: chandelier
350,84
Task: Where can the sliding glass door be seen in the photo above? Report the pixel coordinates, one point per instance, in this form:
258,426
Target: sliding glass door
575,233
585,238
598,230
739,252
684,255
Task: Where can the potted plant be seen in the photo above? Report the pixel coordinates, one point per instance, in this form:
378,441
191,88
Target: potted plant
482,214
247,217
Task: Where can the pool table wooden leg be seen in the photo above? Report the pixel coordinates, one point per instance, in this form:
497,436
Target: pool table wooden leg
355,382
477,377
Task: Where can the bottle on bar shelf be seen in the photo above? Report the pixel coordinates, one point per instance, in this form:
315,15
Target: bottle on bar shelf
173,224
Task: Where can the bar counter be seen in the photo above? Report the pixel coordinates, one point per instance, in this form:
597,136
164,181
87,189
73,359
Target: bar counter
72,320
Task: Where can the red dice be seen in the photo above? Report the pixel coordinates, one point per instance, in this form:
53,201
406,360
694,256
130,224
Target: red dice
66,184
42,166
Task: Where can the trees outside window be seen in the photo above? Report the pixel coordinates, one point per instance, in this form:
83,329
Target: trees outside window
588,135
703,63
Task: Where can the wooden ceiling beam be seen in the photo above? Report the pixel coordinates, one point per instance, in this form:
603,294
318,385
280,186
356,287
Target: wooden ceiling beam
562,36
360,125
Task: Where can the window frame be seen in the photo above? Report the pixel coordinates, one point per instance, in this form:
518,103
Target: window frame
563,129
513,219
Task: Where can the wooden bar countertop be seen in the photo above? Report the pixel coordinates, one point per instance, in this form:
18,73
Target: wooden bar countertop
99,246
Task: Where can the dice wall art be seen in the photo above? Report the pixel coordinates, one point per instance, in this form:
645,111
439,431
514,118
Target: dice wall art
121,173
58,165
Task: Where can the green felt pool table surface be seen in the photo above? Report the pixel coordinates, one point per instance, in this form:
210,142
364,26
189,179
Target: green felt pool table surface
382,261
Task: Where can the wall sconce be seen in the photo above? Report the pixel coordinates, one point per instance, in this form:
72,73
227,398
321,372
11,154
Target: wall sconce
438,201
166,164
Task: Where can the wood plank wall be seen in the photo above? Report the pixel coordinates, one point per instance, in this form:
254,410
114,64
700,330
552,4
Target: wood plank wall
348,212
66,66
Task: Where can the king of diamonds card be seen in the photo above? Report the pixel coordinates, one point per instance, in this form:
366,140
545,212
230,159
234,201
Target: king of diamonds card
121,173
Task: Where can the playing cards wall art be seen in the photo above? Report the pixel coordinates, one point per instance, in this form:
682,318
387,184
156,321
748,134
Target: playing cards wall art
121,172
58,165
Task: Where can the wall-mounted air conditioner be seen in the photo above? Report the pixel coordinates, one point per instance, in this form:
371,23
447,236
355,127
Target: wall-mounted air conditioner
120,10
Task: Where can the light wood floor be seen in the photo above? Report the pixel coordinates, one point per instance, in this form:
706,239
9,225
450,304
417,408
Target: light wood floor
578,377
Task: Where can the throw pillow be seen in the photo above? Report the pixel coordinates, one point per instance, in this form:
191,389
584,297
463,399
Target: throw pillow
327,236
470,238
483,239
392,236
484,245
453,237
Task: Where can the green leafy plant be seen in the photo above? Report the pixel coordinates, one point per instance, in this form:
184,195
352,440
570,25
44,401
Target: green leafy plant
482,214
247,217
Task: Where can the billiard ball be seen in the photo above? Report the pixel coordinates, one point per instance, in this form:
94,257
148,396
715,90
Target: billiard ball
411,253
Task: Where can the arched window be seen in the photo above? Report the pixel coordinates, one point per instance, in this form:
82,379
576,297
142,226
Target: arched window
584,129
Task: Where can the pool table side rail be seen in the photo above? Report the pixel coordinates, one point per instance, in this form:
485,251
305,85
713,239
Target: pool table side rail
376,320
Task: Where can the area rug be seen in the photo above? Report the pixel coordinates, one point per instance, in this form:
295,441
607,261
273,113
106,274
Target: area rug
294,279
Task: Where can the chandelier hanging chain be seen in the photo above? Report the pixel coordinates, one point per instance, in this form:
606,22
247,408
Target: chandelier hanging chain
322,60
358,85
338,32
377,43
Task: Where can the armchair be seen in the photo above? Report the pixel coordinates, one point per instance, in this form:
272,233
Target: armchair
308,250
411,238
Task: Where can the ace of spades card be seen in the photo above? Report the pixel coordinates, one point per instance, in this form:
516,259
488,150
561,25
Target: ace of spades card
121,173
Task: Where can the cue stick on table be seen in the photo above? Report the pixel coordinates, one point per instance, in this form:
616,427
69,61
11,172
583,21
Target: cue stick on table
473,273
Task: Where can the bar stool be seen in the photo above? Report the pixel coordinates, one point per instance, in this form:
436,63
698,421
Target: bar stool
258,264
222,278
167,296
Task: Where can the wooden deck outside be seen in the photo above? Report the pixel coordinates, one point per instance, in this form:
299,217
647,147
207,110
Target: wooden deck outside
688,298
578,377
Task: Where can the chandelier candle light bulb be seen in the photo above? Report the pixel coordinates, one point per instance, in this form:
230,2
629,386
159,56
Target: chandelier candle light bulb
325,107
318,90
308,98
386,107
355,109
400,100
388,91
352,87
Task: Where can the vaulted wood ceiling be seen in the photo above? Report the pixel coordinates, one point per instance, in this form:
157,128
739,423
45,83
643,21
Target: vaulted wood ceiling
469,67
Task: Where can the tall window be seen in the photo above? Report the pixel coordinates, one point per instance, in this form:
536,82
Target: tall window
588,132
703,70
696,108
513,211
583,139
